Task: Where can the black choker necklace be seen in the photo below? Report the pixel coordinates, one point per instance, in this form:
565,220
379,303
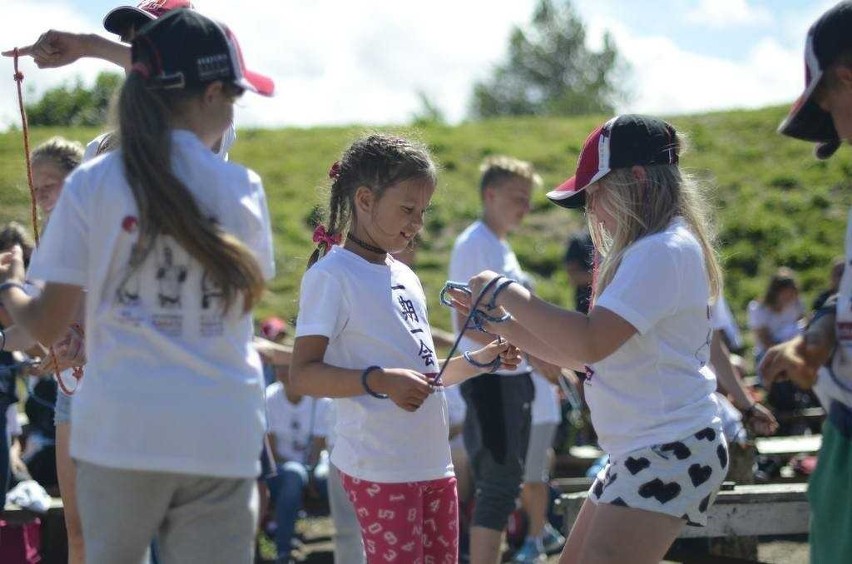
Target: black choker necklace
365,246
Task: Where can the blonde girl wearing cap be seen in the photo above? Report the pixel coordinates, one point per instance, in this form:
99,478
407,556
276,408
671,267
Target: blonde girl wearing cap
644,344
166,435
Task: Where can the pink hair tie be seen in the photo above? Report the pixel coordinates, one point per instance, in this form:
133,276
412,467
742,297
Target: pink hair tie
334,171
323,237
141,69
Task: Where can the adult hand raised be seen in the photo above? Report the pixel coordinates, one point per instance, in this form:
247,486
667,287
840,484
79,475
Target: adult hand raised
53,49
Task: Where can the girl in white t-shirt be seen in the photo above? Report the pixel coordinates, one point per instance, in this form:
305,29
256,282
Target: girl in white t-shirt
778,316
645,342
173,247
363,338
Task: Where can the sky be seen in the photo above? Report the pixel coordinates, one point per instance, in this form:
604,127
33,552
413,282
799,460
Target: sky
339,62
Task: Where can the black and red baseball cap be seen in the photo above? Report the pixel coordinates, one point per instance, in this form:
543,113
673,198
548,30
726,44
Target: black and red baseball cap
185,49
119,20
623,141
828,38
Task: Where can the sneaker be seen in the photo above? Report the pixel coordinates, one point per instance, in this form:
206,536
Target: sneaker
552,540
529,553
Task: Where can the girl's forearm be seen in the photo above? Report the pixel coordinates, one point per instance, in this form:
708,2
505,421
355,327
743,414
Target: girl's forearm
458,370
318,379
567,337
17,339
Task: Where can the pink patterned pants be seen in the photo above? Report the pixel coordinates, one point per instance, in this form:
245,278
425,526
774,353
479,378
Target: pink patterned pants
409,522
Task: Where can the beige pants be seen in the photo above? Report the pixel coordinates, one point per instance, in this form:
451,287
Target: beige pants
196,519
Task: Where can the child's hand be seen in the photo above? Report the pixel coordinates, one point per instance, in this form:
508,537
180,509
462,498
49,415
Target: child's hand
70,351
12,265
407,388
478,282
510,355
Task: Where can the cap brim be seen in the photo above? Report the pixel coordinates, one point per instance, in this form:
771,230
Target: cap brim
567,195
118,20
806,120
255,82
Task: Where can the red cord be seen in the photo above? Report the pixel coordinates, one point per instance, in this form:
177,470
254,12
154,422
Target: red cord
19,79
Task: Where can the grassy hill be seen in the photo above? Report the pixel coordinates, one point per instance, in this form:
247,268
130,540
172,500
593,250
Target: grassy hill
776,204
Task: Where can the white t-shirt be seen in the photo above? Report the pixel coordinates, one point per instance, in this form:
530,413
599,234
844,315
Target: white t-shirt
782,325
656,387
228,140
172,384
475,250
545,405
294,426
375,314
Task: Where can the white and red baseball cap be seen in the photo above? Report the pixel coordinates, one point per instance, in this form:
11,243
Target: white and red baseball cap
827,39
623,141
119,20
185,49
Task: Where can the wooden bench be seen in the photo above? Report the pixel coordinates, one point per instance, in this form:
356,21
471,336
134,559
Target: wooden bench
788,446
572,485
748,510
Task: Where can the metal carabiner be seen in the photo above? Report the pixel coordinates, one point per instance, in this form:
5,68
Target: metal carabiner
450,285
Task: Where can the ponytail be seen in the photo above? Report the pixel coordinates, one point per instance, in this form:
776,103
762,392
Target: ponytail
166,206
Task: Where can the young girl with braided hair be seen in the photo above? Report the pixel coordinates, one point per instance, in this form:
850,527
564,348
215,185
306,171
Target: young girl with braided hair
363,338
645,342
173,247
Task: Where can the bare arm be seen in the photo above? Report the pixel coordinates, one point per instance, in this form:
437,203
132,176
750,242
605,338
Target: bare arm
757,416
727,377
60,48
311,376
800,358
573,337
520,337
458,369
272,352
17,339
46,317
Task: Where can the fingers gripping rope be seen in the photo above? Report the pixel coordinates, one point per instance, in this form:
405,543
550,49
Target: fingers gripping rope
25,128
476,318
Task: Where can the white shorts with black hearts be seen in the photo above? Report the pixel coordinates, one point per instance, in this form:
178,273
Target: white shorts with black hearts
680,478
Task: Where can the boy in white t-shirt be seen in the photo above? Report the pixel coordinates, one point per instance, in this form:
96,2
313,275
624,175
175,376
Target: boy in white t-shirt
297,432
497,425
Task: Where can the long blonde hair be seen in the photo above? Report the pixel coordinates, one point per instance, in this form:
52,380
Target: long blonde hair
166,206
642,208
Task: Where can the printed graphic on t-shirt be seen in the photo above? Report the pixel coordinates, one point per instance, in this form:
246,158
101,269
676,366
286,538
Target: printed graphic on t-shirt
212,296
417,327
170,278
156,292
128,291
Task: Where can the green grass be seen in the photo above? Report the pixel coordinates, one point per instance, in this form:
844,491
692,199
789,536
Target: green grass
776,205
